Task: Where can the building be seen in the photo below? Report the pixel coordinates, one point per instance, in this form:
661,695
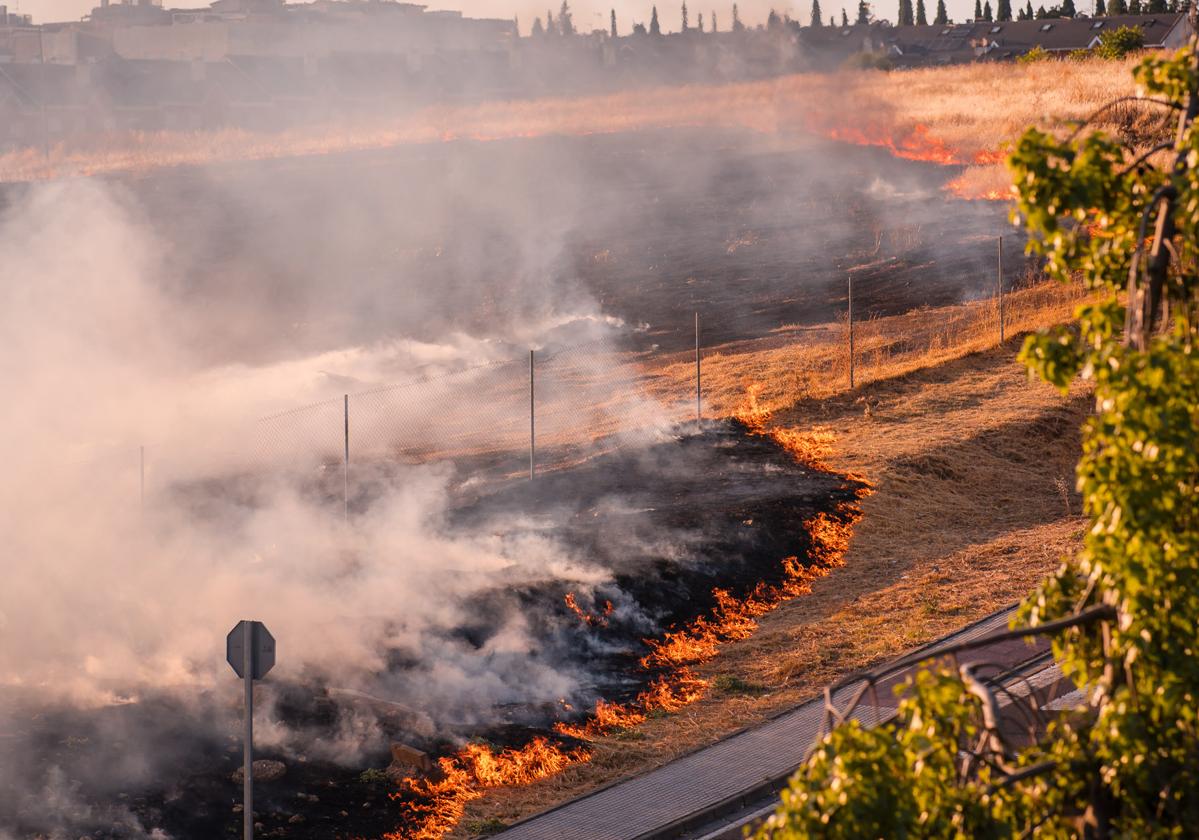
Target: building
910,46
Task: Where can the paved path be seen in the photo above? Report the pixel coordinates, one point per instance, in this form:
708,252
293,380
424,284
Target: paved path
699,793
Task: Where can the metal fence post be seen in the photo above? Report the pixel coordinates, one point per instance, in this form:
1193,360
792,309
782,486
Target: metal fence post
698,403
346,463
849,286
1001,325
532,423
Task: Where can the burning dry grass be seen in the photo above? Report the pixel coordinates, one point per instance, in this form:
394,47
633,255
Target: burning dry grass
961,115
968,462
432,807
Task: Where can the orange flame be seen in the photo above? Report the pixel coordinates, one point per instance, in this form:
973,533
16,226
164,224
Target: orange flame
437,806
440,804
586,617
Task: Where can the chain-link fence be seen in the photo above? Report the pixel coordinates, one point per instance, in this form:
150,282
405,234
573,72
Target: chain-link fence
540,410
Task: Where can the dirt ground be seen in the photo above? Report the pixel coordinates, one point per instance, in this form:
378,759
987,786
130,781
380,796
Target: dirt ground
972,468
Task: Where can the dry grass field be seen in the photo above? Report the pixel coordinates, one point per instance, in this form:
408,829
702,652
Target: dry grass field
958,115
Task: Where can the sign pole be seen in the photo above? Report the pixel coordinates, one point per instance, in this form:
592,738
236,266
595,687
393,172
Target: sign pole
248,750
250,651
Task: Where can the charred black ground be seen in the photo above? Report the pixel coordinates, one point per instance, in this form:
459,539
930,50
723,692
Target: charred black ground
670,521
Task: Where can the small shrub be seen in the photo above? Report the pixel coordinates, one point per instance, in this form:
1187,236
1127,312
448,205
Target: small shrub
372,776
730,684
1118,43
484,828
1037,53
869,61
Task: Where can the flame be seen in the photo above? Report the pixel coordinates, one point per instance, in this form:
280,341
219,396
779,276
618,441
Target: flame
439,804
915,143
791,104
435,807
586,617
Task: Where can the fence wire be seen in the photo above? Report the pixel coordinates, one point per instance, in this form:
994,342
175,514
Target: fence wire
556,406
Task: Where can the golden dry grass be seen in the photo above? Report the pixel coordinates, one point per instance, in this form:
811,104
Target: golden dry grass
971,465
810,363
949,113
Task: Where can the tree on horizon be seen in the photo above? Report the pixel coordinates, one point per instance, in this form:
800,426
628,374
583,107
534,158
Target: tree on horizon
738,26
686,24
550,28
537,30
700,25
815,15
713,17
905,13
1100,8
978,10
942,17
921,17
614,23
987,15
566,24
863,12
654,27
1158,7
1003,10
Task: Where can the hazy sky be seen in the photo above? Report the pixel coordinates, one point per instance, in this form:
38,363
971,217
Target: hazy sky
589,14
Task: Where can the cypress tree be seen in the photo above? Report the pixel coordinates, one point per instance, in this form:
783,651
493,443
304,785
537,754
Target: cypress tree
921,17
538,29
844,17
714,28
1067,9
700,25
654,27
565,22
738,26
686,25
905,13
978,10
1134,7
1118,7
1100,8
863,12
1028,10
1004,10
549,23
816,13
942,17
987,16
613,23
773,21
1158,7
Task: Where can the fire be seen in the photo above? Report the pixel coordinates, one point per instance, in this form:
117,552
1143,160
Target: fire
439,804
436,806
915,143
987,182
586,617
784,106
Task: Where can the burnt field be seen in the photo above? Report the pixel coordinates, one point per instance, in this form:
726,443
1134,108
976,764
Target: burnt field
661,526
502,238
438,606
